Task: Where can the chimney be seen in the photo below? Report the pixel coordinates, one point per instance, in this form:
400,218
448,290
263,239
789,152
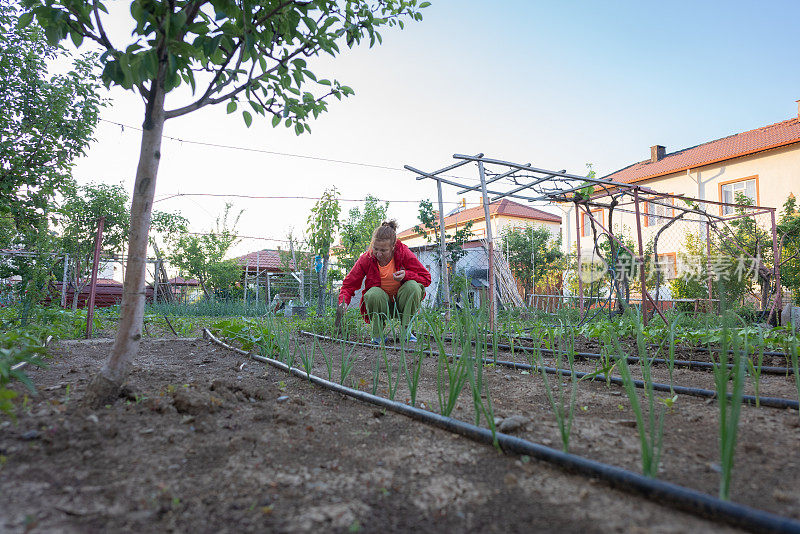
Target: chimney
657,152
798,108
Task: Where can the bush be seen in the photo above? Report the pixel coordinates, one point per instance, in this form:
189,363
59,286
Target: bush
17,346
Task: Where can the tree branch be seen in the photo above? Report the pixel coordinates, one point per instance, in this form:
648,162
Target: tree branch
103,37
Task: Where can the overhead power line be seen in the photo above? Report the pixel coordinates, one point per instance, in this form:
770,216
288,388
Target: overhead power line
279,197
274,152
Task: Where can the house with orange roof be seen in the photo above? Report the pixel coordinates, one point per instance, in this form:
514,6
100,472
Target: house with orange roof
503,214
763,164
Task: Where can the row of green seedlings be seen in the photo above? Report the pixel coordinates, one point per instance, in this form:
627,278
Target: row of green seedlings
454,373
272,336
754,348
705,329
649,411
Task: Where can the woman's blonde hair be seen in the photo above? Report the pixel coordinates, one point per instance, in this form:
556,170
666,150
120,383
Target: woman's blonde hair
387,231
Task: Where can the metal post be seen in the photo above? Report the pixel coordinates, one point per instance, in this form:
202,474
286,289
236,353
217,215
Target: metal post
489,237
444,276
578,258
642,273
533,267
98,241
710,277
776,254
64,282
246,279
258,273
269,290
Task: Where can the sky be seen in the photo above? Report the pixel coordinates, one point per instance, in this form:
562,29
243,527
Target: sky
556,84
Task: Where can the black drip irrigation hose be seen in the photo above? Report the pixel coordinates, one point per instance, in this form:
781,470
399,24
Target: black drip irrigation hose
660,492
730,351
771,402
690,364
778,370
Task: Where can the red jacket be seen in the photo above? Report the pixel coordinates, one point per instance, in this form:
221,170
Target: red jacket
367,268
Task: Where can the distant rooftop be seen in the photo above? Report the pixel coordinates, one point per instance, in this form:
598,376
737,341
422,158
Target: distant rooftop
500,207
262,260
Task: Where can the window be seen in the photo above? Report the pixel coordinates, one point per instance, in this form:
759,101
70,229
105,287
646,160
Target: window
658,212
728,191
586,223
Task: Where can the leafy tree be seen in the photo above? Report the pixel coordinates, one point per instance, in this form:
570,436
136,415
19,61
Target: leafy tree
533,252
323,222
356,232
46,122
249,54
789,229
167,227
454,244
77,218
203,256
34,260
747,240
692,285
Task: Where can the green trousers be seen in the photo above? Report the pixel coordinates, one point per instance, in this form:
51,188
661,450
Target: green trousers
380,306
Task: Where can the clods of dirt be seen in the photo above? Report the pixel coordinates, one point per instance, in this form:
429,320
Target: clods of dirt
200,444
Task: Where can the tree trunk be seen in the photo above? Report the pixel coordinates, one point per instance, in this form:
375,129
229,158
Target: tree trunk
75,294
106,383
323,278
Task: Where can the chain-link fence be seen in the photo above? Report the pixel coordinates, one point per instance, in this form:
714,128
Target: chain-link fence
699,258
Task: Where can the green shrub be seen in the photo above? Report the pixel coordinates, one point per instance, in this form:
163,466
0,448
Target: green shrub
17,346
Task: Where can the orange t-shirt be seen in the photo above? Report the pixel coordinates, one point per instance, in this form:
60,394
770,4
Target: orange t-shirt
388,283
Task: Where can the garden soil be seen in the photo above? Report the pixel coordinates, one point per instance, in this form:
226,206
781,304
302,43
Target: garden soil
205,440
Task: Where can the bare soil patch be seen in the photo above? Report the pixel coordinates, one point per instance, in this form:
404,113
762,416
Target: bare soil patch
207,441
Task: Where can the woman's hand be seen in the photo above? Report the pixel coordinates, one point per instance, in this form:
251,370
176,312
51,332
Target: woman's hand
399,275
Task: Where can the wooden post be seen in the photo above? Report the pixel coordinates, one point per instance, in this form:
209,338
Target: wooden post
533,272
98,241
776,255
578,258
642,273
444,278
710,277
490,247
155,282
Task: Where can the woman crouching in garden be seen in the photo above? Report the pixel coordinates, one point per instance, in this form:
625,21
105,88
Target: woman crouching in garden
394,283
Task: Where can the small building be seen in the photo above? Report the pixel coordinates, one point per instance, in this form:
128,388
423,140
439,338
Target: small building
763,164
185,289
503,214
270,272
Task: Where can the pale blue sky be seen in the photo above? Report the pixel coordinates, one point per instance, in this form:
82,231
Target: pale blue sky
557,84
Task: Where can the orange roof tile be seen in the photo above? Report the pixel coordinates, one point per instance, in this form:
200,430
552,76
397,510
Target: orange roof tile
263,260
500,207
741,144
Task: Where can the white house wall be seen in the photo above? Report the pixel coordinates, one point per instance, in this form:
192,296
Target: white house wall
778,173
